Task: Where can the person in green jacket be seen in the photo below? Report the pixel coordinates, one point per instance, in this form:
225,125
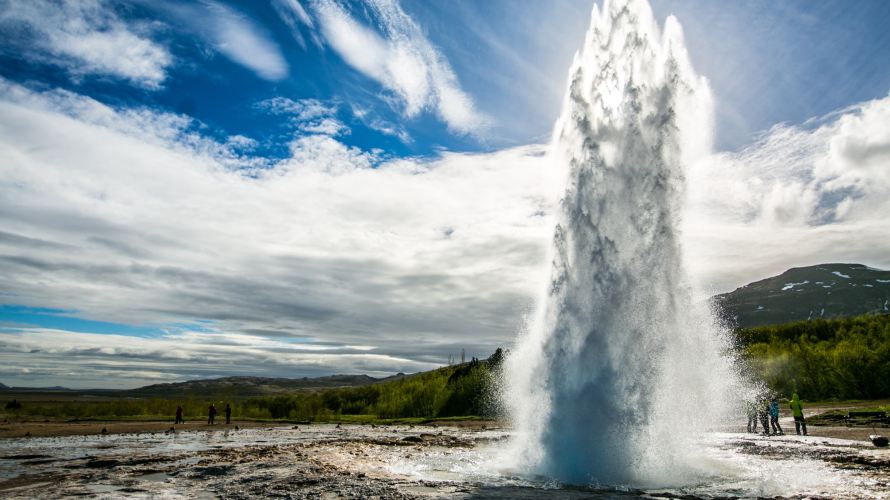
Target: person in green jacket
797,411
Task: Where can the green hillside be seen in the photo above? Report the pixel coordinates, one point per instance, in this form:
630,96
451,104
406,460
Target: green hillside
826,291
841,359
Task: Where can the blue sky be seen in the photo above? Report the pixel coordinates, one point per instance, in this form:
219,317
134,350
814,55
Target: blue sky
318,181
768,62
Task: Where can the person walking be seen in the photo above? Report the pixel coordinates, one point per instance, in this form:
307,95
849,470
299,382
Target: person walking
797,411
774,417
212,413
763,413
228,413
752,416
179,419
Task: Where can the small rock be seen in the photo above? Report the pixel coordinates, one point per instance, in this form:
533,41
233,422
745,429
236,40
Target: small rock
27,433
237,428
104,430
172,429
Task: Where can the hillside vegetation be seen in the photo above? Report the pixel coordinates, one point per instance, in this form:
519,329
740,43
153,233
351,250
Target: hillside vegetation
839,359
462,390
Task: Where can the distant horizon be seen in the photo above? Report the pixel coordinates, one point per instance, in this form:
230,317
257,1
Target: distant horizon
312,187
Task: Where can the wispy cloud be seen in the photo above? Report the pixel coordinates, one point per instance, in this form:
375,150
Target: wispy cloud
294,15
87,38
133,217
402,60
373,121
233,34
307,115
796,196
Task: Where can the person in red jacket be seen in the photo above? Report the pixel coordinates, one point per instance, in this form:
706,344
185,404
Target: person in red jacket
179,419
212,414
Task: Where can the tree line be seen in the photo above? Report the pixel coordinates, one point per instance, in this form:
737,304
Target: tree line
840,359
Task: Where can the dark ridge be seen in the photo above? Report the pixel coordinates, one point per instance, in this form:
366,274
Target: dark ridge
827,291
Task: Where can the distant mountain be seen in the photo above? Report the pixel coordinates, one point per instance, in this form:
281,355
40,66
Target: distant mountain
828,291
57,388
2,386
250,386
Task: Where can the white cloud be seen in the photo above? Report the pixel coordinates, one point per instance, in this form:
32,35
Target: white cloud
374,122
244,42
41,357
403,60
307,115
131,216
293,14
87,38
795,197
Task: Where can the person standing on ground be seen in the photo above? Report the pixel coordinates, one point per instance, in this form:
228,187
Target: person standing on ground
752,416
774,417
228,413
763,413
179,419
212,413
797,411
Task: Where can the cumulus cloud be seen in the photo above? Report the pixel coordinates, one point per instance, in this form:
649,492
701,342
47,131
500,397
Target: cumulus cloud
402,60
87,38
797,196
132,216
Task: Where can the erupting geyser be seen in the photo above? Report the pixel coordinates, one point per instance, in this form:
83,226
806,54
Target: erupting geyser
622,371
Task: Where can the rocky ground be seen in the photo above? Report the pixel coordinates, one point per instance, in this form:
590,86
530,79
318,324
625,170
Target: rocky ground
326,462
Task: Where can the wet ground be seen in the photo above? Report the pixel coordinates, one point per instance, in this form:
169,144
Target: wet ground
326,462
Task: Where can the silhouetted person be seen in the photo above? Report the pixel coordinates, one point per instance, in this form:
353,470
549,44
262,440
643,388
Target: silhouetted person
212,413
774,417
797,411
179,419
228,411
763,413
751,407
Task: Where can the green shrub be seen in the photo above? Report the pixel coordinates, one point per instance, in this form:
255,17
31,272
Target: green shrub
836,359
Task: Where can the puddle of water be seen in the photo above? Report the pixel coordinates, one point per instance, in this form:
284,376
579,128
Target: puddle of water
205,495
157,477
102,488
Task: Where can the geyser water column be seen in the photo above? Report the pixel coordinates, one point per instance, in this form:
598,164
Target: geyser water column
621,370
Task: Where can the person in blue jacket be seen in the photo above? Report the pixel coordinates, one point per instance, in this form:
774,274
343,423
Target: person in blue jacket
774,417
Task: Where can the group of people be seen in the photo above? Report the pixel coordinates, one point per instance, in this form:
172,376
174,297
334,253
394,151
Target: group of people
211,414
766,410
